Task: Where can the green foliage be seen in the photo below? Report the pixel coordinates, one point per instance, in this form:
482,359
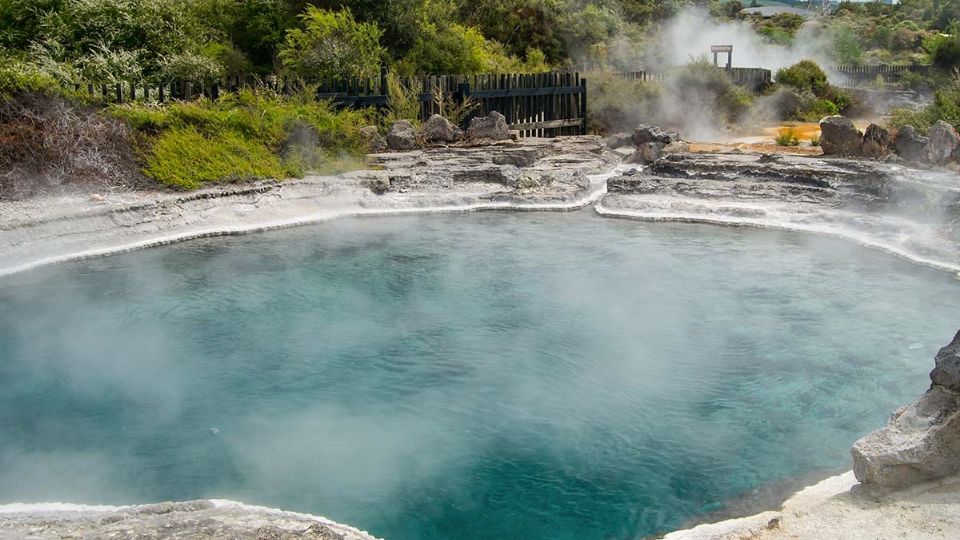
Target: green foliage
805,76
241,136
185,158
702,84
945,106
815,140
788,137
820,98
17,76
404,101
846,45
331,45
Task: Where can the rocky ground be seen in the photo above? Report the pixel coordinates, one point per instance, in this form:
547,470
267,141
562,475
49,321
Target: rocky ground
537,174
213,520
912,213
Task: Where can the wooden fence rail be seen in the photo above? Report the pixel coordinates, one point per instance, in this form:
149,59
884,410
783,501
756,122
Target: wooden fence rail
858,75
540,105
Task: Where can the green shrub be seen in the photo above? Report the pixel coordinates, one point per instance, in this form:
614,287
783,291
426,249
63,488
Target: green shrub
281,136
815,140
805,76
19,77
331,44
185,158
702,85
788,137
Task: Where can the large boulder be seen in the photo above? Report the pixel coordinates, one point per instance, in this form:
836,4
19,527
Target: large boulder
839,137
646,133
371,137
439,129
910,145
402,136
947,372
494,126
921,441
876,141
944,144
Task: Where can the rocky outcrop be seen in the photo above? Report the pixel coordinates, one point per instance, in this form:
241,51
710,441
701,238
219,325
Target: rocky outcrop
211,520
439,129
943,145
910,145
646,133
493,126
876,141
922,441
947,372
839,137
402,136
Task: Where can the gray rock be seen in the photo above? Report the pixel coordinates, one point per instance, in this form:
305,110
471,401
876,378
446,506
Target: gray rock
494,126
439,129
645,133
876,141
839,137
947,372
944,143
787,104
402,136
910,145
371,136
379,185
921,442
648,152
619,140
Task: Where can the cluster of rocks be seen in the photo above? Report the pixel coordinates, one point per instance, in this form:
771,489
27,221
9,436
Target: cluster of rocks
647,144
921,441
403,136
839,137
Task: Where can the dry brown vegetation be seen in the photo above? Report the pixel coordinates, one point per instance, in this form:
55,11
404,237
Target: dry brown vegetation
51,144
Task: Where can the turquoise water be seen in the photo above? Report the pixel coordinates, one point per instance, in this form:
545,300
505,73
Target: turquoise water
551,376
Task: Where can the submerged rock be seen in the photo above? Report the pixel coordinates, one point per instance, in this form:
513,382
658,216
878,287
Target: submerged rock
876,141
402,136
921,441
494,126
910,145
439,129
943,145
839,137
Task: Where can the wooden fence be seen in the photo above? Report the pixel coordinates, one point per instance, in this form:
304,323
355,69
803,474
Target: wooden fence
753,79
537,105
859,75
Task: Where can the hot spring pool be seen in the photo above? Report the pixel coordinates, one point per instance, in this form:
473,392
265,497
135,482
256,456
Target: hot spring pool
554,376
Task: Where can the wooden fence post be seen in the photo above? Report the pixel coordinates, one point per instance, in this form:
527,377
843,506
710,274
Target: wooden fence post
583,105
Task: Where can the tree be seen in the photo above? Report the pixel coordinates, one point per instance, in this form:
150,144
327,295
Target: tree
331,44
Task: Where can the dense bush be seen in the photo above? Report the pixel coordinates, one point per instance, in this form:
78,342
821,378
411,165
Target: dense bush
945,106
706,90
332,45
242,136
819,97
